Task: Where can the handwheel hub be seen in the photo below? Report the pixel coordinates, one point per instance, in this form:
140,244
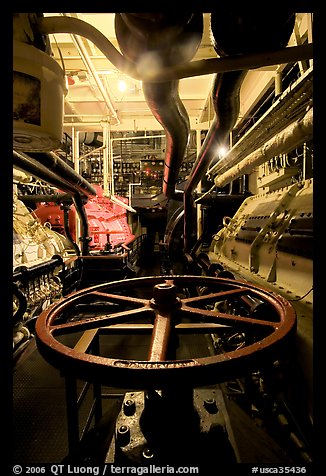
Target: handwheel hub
164,296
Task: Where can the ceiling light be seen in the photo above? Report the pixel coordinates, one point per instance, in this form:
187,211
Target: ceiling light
122,85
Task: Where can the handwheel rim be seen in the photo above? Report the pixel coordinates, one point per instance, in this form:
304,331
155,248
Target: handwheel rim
139,374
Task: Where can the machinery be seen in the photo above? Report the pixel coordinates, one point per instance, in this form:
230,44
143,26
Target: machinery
107,220
222,369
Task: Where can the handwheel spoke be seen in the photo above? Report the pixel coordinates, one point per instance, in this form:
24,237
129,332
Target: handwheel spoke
101,321
160,337
224,318
117,298
217,296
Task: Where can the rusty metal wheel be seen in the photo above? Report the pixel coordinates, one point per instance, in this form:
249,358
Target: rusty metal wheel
165,306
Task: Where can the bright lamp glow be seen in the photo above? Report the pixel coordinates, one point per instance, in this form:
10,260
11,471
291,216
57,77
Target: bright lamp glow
122,85
222,151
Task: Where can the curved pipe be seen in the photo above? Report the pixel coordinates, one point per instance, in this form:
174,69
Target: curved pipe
153,41
226,101
166,106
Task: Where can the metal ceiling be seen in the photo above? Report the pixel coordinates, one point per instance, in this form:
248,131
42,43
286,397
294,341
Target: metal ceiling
94,97
84,103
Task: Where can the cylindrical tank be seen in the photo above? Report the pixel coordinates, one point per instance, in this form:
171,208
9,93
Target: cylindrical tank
39,88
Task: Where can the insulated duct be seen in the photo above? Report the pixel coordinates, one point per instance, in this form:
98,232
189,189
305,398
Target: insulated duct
154,41
232,34
294,135
56,165
29,165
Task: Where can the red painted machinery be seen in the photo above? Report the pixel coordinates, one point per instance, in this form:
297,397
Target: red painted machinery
107,221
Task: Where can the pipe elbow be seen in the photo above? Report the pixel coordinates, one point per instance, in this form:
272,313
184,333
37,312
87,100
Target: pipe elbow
154,41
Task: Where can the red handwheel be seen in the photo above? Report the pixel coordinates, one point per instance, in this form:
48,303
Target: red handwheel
168,305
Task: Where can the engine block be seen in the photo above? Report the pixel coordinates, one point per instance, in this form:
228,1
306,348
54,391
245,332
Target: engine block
269,240
42,262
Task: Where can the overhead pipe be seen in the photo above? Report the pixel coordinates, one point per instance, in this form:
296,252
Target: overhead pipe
296,98
294,135
92,152
58,166
52,25
232,34
87,137
158,40
92,71
25,163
